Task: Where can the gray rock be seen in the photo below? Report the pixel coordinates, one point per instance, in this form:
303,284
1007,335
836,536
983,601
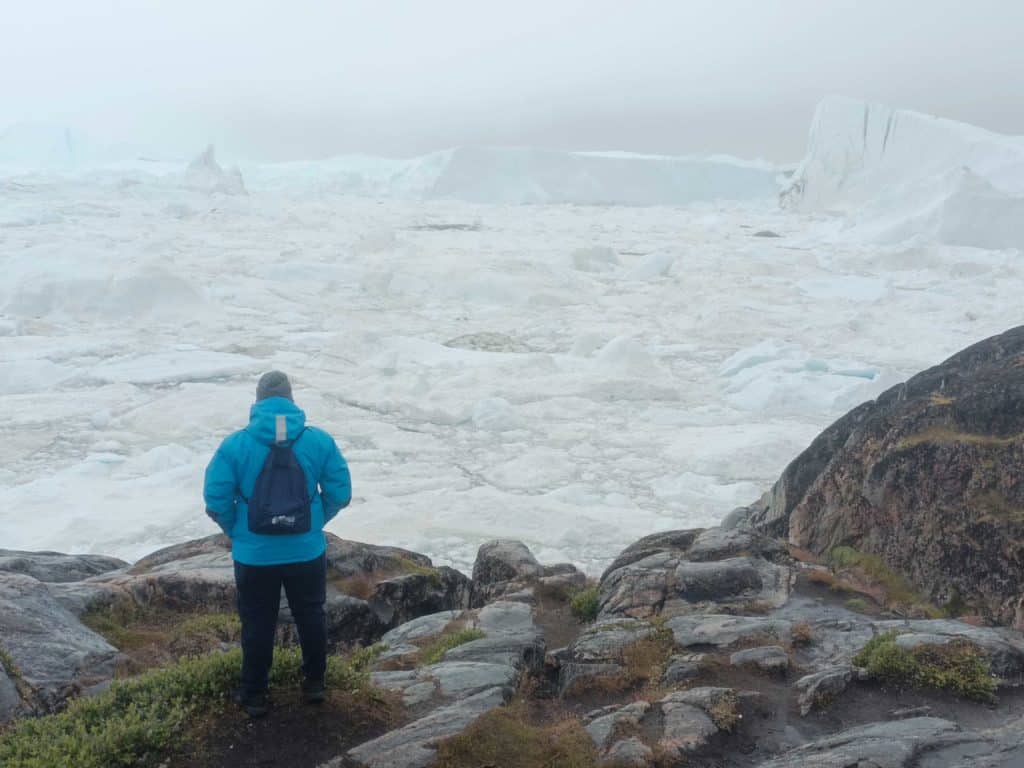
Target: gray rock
11,704
896,744
1001,747
705,697
56,567
605,640
767,658
502,567
638,589
419,628
724,542
415,745
686,728
53,652
682,667
669,542
736,583
602,729
504,560
627,753
411,595
696,572
351,558
721,631
818,690
447,680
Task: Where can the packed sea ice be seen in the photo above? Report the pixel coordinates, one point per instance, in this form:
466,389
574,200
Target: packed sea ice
575,376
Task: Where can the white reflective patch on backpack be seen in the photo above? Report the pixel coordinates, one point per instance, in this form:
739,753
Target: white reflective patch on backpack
282,428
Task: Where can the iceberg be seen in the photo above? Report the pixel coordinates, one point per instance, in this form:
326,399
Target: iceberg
896,174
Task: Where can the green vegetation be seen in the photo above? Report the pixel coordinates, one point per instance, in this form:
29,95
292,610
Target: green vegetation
898,590
435,651
959,666
138,719
945,435
860,605
585,604
506,737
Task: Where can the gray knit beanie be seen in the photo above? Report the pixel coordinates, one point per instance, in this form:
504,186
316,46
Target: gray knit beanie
273,384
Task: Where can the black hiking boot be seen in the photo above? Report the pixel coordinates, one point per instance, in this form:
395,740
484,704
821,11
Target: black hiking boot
313,691
254,704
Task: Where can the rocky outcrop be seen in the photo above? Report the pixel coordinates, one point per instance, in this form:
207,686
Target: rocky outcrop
48,654
470,680
699,571
927,477
506,569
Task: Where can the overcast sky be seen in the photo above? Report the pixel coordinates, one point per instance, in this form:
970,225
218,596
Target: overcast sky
307,79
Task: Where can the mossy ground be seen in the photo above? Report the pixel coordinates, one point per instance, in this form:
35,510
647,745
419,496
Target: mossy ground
509,737
142,720
895,591
959,667
155,636
435,649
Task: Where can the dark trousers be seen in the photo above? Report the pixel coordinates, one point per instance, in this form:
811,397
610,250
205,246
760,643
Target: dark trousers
259,597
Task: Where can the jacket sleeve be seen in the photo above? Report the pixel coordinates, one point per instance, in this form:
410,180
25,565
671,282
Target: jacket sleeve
335,482
219,491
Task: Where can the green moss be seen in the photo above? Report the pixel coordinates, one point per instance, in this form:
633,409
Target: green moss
945,436
585,604
137,720
225,627
435,651
505,737
959,666
897,588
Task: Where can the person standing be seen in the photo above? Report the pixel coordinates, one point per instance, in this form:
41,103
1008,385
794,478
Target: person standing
272,487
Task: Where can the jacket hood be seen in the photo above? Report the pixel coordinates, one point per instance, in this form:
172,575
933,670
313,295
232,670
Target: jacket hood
263,419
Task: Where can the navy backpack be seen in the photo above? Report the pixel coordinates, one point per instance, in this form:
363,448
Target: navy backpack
280,502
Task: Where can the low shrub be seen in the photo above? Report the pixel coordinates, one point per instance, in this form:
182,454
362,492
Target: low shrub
434,651
959,666
585,604
138,719
896,588
505,737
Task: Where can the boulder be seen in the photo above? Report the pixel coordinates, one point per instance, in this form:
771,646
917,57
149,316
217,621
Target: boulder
682,667
604,728
406,597
700,571
722,631
56,567
925,477
627,753
52,653
506,569
818,690
771,659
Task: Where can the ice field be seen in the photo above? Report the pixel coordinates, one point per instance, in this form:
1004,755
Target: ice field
572,375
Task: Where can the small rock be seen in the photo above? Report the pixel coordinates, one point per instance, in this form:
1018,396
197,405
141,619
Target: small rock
627,753
602,729
772,659
681,667
721,630
817,691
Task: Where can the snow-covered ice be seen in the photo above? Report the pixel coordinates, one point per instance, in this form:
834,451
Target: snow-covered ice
576,376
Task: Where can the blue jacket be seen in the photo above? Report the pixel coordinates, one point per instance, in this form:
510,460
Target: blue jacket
235,466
